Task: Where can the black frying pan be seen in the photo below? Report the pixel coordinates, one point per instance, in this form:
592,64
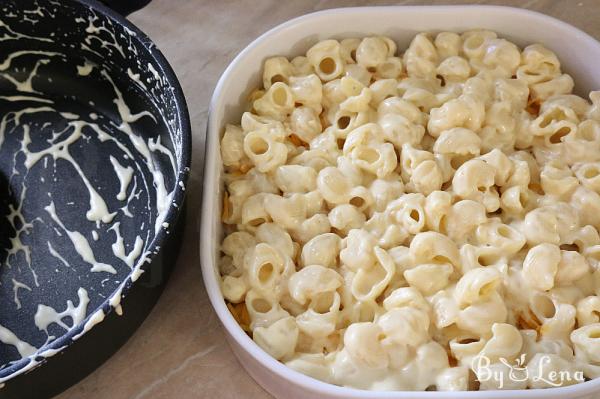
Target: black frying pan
94,155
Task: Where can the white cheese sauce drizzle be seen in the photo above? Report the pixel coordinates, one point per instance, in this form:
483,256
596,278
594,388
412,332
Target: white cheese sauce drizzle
132,195
85,69
124,174
9,338
98,209
15,218
135,77
95,318
16,286
80,244
55,253
47,315
12,35
118,247
94,35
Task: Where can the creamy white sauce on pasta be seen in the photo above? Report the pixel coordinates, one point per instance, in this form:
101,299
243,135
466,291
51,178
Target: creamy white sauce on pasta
396,219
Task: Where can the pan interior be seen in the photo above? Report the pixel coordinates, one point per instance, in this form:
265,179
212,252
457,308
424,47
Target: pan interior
88,168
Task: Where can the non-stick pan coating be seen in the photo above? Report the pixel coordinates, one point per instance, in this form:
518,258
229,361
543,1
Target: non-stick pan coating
92,159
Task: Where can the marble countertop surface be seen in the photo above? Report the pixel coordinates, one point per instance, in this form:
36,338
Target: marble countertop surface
180,350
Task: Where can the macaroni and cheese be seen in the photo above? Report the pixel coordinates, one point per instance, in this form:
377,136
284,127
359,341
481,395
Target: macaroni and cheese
392,218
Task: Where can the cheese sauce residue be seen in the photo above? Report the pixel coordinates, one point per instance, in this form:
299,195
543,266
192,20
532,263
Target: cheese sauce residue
51,143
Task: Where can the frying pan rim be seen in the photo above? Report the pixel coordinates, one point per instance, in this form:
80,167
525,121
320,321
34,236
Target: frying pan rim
15,368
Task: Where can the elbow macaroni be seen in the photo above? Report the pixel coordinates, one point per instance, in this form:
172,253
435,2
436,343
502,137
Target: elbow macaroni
394,218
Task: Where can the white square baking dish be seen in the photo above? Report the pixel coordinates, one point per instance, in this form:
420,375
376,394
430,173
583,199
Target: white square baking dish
578,52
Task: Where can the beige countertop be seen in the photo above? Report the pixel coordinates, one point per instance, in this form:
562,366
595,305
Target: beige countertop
180,350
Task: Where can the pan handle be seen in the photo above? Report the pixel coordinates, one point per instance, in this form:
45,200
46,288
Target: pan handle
125,7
